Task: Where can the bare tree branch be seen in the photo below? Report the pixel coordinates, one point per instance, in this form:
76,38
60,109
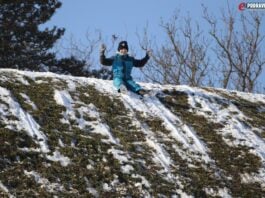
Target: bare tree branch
182,59
238,52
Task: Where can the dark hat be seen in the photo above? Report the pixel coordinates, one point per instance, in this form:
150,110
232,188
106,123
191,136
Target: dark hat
123,45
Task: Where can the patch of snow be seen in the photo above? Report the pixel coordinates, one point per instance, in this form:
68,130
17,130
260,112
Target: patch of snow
58,157
3,187
60,142
161,155
106,187
224,192
28,101
178,130
144,181
126,169
119,155
63,98
254,177
37,150
90,189
45,183
234,125
250,96
89,167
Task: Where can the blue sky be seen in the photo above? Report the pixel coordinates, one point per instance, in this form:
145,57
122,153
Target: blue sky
125,18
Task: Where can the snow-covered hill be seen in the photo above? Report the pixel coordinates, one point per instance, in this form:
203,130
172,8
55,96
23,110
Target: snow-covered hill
64,136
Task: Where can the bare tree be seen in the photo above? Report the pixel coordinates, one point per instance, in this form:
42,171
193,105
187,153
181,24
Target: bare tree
88,52
85,51
182,59
238,48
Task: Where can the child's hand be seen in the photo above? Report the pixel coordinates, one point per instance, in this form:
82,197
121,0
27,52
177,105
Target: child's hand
149,52
102,48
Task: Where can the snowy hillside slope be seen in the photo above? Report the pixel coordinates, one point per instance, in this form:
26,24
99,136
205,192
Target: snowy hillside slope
75,137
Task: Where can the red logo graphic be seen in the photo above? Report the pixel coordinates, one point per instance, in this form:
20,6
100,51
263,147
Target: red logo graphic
242,6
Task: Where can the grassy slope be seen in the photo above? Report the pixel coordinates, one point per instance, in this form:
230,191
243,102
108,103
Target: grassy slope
93,165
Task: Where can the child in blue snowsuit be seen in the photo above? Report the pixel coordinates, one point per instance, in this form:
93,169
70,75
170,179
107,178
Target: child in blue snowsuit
122,65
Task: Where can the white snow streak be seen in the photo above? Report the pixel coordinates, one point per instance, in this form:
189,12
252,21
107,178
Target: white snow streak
45,183
57,157
25,120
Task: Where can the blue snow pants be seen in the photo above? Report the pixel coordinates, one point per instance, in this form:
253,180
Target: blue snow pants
129,83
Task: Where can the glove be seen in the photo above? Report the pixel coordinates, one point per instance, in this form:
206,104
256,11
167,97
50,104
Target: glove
102,48
149,52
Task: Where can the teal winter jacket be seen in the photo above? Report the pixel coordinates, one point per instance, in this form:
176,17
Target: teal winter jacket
122,65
